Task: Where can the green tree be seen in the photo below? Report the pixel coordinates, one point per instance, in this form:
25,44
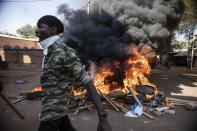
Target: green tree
27,31
189,18
178,45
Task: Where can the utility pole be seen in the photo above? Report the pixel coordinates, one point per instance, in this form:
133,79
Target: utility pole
88,6
190,51
192,54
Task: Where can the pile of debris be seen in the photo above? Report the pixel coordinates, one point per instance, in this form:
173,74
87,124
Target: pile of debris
157,106
118,101
143,100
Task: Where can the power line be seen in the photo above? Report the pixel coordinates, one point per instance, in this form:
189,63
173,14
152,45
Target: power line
24,0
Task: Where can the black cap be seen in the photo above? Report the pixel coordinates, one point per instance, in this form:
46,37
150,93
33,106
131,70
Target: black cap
52,21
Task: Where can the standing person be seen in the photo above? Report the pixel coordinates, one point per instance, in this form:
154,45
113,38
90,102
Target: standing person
168,63
60,67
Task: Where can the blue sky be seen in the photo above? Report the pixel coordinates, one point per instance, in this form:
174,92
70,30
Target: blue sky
16,13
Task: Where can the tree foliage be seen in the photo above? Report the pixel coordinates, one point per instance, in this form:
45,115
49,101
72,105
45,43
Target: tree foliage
178,45
27,31
189,18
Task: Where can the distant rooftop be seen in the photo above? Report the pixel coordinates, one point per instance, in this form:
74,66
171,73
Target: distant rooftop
185,53
15,37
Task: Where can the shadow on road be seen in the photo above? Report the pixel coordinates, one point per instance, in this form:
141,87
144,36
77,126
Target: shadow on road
174,85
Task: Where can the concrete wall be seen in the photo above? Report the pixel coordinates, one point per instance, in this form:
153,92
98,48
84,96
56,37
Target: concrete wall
12,42
22,56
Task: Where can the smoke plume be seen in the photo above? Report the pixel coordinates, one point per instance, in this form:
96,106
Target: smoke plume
110,31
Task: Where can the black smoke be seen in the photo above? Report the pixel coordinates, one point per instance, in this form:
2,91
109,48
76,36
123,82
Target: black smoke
109,31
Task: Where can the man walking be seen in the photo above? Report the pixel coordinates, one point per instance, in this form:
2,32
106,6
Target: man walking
60,67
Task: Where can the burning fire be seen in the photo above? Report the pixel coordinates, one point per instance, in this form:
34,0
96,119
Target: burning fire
114,76
100,81
36,89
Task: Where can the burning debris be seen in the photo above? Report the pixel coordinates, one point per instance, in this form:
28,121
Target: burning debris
158,105
35,93
114,77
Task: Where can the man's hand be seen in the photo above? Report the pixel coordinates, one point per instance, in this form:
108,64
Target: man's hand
103,125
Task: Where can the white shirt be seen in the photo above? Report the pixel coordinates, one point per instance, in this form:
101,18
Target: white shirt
45,45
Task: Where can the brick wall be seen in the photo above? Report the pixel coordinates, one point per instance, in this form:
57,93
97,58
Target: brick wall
18,43
22,56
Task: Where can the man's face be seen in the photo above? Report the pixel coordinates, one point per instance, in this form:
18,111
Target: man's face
44,31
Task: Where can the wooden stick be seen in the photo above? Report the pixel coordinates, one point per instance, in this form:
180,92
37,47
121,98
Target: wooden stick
137,100
124,110
90,105
158,113
86,106
78,108
69,98
178,104
80,104
76,104
135,97
180,100
109,100
191,106
148,115
18,100
68,101
77,97
11,105
140,84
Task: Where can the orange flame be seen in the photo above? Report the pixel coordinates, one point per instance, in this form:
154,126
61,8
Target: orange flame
136,66
36,89
99,80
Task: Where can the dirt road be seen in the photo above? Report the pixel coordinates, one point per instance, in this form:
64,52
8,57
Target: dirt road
173,85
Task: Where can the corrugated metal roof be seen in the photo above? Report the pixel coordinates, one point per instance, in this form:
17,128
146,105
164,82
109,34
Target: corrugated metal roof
184,53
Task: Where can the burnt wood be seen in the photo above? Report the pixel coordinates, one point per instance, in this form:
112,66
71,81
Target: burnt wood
33,95
144,89
116,94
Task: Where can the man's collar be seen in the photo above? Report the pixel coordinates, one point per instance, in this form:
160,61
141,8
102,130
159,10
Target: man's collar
48,42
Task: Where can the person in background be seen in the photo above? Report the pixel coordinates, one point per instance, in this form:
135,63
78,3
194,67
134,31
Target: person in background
168,63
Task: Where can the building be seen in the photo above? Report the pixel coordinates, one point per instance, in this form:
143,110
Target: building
12,42
181,58
20,50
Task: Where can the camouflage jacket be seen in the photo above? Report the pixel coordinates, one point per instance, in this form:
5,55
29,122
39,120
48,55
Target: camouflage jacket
61,67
